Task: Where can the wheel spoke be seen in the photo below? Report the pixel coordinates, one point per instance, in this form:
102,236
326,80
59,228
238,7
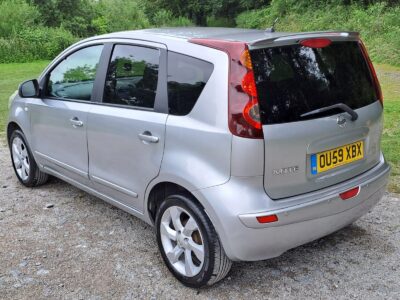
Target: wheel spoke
23,169
190,268
15,150
174,254
18,143
190,226
168,231
197,249
175,216
26,165
17,162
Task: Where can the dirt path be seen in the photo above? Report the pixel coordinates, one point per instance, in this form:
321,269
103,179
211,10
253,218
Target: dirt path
83,248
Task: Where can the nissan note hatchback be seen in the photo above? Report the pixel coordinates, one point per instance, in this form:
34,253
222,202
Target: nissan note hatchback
237,145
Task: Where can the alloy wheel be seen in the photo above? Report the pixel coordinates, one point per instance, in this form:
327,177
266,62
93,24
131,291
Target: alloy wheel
182,241
20,158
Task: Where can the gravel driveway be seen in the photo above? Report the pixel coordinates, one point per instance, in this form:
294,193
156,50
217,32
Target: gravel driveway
59,242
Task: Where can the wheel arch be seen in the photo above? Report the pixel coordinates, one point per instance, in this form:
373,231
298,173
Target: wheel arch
161,190
11,127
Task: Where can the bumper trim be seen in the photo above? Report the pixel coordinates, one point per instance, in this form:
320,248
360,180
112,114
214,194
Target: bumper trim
319,208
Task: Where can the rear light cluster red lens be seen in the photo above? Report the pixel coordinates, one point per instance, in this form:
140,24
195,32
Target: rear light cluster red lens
243,107
372,71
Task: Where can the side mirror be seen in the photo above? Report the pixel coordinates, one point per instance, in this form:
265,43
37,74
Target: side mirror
29,89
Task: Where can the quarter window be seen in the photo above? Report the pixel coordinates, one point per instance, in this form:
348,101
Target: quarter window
187,76
132,76
74,77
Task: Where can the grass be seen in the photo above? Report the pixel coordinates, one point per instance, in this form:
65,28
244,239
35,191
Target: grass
389,77
12,74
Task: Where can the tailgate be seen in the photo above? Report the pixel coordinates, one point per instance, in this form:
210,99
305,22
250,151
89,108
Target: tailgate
305,152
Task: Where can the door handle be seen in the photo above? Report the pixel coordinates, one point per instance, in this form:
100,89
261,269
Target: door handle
76,122
146,137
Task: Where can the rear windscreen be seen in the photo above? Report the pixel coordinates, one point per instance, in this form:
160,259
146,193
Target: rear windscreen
293,80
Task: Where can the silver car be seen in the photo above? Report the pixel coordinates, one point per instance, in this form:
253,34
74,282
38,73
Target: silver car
237,145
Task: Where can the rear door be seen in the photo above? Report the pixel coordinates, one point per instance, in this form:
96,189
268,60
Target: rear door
126,130
306,150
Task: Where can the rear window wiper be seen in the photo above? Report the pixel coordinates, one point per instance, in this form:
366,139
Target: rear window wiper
342,106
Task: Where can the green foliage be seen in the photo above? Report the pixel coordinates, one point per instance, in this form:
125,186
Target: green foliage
32,29
34,43
204,12
164,18
378,24
74,15
220,22
117,15
16,15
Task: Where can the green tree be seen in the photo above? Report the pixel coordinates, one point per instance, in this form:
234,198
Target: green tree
117,15
16,15
198,11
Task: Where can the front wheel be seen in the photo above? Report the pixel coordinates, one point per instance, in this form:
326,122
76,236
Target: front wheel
24,164
189,243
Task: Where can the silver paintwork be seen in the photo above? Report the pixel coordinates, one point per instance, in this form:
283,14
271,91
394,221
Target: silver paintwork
302,218
178,243
120,154
59,136
20,158
288,145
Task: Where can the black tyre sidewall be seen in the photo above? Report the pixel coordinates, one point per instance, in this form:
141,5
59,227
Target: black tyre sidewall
207,233
30,181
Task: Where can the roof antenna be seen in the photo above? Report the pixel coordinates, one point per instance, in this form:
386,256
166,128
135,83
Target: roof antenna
272,28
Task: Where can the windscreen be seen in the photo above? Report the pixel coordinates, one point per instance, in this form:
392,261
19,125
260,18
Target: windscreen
293,80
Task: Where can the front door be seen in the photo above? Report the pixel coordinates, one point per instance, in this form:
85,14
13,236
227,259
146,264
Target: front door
126,131
59,119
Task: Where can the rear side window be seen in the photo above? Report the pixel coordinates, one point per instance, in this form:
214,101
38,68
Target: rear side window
187,77
132,76
293,80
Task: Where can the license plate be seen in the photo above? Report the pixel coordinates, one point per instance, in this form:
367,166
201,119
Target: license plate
327,160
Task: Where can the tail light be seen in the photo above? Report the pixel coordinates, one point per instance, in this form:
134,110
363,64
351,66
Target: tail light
243,108
375,80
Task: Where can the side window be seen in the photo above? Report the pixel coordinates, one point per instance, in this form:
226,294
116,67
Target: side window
187,77
74,77
132,76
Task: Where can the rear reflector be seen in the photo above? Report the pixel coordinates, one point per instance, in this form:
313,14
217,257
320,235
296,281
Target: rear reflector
267,219
350,193
316,43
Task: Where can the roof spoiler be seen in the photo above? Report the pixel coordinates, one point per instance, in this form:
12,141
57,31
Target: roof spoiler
293,38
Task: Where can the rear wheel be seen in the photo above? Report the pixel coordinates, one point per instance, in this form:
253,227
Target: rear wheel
189,244
23,162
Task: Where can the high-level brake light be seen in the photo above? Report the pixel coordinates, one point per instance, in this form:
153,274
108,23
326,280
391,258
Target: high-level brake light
316,43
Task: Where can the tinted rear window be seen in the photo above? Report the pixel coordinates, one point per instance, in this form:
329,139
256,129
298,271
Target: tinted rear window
187,77
293,80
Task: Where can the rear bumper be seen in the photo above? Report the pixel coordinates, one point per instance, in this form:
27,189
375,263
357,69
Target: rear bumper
234,206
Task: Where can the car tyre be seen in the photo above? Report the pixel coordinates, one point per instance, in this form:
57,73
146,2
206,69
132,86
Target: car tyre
24,164
189,244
